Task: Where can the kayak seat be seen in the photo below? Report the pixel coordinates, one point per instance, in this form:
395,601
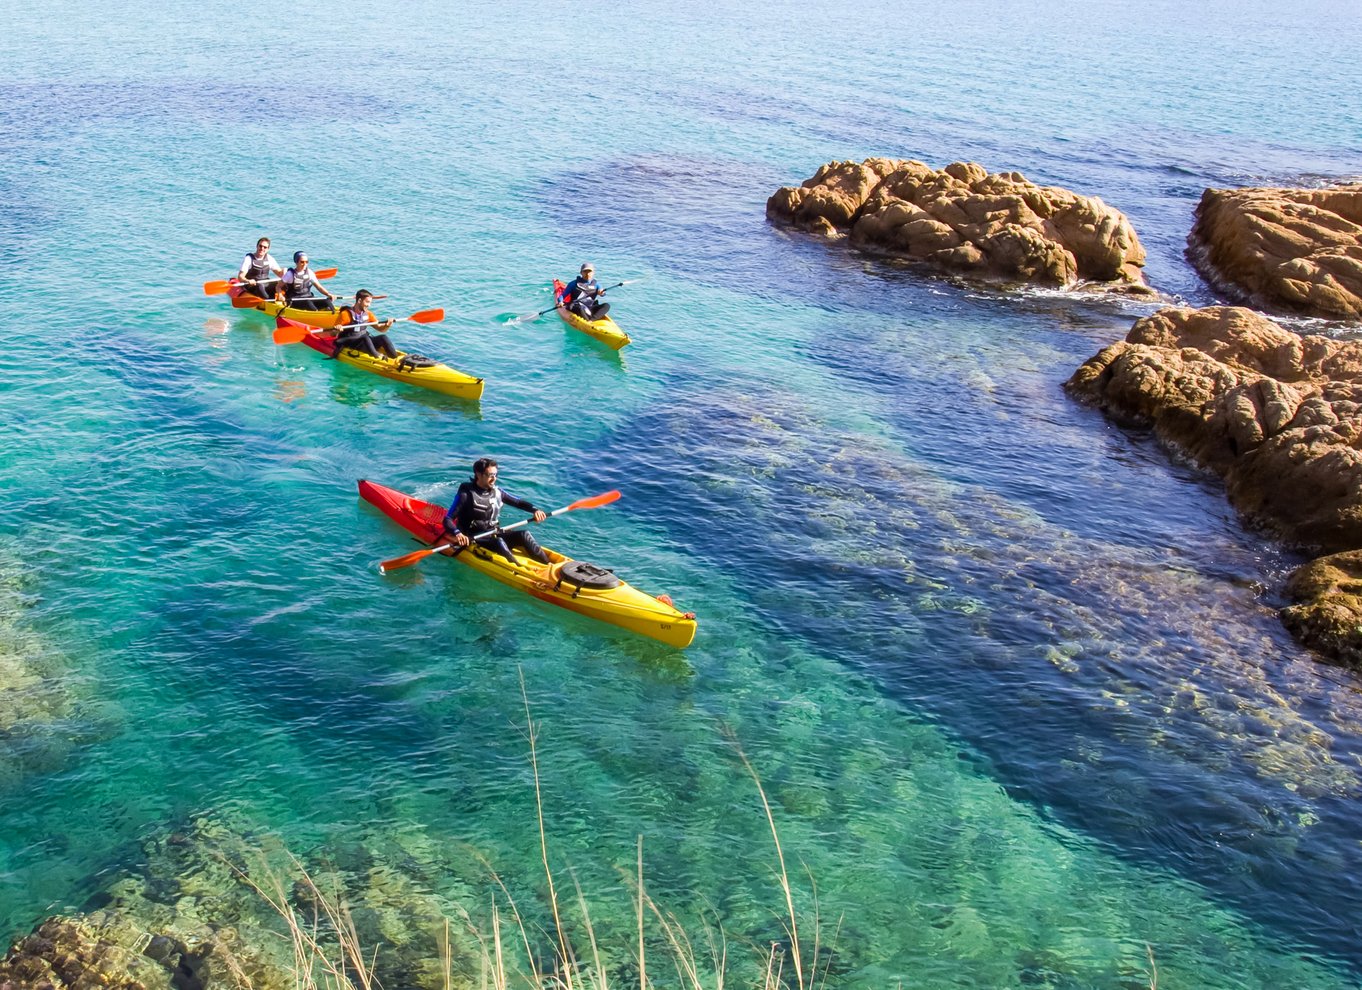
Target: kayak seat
584,576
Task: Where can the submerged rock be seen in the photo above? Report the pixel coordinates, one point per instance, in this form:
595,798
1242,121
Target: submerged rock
1294,250
963,218
1278,416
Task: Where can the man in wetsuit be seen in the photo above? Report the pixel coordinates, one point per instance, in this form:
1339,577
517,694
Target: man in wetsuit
477,510
583,295
259,268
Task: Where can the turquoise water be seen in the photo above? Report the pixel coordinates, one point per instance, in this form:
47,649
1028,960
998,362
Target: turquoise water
1013,680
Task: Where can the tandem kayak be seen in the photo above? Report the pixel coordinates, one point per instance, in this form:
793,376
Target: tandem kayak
582,588
606,330
322,319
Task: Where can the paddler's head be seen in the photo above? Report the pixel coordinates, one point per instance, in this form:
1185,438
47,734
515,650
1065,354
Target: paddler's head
362,298
300,259
587,270
262,245
484,472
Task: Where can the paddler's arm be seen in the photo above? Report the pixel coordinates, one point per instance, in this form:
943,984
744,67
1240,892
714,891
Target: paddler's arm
519,503
452,532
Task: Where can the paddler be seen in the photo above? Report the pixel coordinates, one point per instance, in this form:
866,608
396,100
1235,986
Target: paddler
583,295
360,337
297,285
259,268
477,510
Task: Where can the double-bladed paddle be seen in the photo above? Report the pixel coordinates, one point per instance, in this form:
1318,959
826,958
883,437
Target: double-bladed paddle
526,317
595,502
225,285
293,332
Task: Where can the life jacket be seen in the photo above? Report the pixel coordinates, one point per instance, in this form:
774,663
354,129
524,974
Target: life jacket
260,267
579,287
347,315
484,509
299,288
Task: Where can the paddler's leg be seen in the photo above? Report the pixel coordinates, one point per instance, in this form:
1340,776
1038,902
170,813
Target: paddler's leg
359,341
527,544
498,543
598,312
381,341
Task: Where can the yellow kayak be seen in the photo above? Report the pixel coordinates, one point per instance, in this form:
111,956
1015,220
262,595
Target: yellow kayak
412,369
583,588
606,330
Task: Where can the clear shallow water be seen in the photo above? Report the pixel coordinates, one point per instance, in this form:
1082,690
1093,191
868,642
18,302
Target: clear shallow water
1015,682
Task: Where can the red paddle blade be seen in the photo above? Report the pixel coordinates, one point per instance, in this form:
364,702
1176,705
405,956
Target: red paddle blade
595,502
290,331
427,316
404,561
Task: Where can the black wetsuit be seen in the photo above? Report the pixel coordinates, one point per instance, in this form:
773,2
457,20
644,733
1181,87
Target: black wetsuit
478,510
583,297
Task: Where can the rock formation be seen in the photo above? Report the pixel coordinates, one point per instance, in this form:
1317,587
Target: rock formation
1278,416
964,219
1297,251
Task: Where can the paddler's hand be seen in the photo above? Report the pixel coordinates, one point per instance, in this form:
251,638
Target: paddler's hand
540,515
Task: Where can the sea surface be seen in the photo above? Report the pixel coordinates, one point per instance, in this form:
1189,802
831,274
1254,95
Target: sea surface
1012,677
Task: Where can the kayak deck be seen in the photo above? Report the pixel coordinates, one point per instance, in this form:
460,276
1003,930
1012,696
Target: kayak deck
606,330
624,605
436,377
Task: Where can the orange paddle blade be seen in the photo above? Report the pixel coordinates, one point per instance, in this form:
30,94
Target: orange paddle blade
326,272
290,331
246,301
427,316
217,288
403,561
595,502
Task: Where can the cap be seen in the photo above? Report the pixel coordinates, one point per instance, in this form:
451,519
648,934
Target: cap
299,256
588,267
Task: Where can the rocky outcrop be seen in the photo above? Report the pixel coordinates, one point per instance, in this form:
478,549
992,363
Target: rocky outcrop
963,218
1326,613
1296,251
1278,416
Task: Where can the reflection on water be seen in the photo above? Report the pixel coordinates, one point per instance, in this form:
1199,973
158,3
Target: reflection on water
289,390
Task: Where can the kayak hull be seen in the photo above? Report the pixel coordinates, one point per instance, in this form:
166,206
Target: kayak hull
437,377
606,330
624,606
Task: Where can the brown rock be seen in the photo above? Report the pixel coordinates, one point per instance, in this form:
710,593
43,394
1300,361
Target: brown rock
65,953
964,218
1276,415
1327,614
1292,250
